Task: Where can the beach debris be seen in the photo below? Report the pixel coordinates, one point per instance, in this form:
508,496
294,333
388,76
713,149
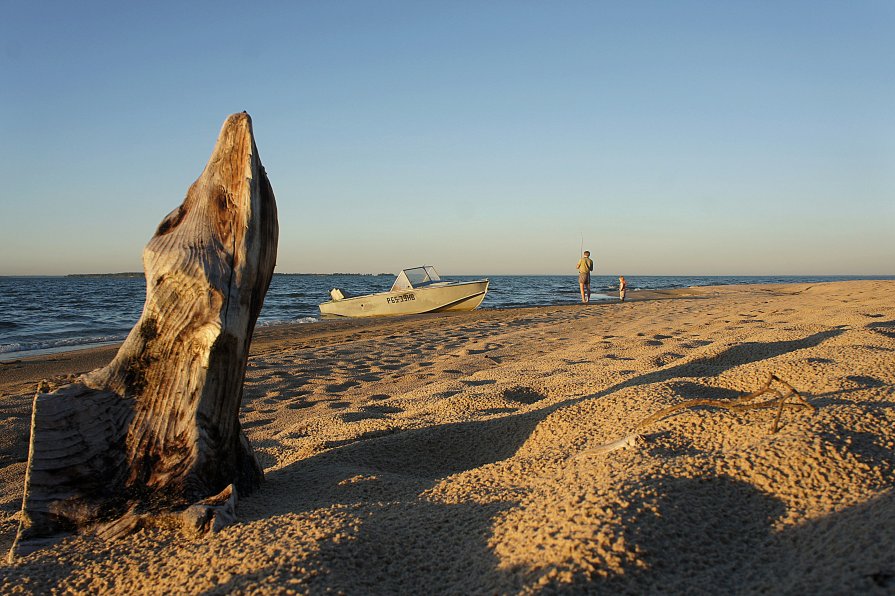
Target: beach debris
630,440
155,436
773,397
778,399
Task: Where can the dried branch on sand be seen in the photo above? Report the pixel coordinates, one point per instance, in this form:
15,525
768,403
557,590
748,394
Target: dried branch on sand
774,398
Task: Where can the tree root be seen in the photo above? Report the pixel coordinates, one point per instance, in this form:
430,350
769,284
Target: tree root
208,516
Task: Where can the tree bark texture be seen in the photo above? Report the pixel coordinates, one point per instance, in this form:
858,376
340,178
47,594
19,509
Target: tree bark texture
157,430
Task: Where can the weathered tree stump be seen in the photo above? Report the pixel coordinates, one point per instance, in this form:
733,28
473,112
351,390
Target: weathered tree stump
156,433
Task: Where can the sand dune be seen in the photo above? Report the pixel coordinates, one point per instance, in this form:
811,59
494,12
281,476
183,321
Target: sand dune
454,453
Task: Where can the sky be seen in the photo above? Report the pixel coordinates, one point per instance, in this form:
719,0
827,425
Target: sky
484,137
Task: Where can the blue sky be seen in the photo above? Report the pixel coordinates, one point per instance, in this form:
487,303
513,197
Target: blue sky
483,137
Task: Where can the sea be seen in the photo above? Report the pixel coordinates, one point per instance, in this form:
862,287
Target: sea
40,315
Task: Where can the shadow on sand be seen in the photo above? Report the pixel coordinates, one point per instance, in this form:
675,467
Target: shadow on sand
712,533
709,524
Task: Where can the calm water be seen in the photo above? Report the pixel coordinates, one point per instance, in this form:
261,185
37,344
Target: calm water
49,314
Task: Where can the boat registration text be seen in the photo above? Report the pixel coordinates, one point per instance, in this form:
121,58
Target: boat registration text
401,298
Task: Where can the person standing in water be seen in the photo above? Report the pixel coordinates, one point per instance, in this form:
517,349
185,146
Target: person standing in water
585,266
622,288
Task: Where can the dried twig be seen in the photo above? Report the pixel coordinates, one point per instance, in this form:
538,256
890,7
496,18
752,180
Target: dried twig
751,401
747,402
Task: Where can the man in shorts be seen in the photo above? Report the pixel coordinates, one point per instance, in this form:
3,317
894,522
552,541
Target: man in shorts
585,266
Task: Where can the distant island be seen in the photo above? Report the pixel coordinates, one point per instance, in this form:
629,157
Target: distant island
124,274
338,273
130,274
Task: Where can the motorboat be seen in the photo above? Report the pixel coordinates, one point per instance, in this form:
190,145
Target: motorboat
416,290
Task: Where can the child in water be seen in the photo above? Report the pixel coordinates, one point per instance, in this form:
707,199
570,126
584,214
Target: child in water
622,288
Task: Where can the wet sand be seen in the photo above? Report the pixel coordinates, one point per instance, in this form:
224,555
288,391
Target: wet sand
456,453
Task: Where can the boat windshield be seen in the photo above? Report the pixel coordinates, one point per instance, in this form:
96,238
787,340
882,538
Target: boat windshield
414,278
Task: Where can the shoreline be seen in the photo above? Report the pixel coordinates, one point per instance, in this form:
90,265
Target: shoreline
9,358
634,293
459,451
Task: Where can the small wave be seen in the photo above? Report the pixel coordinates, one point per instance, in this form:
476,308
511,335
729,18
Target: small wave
55,344
8,325
271,322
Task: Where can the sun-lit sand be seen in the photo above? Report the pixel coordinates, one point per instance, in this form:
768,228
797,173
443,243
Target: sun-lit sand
453,453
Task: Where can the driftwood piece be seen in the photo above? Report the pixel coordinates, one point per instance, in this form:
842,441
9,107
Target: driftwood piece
631,440
156,432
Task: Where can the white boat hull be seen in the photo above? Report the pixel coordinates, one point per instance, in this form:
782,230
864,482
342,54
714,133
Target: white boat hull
434,298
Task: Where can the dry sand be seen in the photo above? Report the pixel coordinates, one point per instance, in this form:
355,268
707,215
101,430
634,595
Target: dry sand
449,454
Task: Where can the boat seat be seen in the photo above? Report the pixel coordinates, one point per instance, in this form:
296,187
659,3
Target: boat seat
337,294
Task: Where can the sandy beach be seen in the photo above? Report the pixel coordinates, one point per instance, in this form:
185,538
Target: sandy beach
460,453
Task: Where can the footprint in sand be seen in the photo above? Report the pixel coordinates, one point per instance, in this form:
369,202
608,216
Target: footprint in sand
666,358
865,381
254,423
382,409
479,349
300,405
341,387
524,395
498,411
446,394
297,434
479,383
885,328
359,416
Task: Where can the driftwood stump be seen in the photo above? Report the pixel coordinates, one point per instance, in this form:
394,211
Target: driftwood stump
156,434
